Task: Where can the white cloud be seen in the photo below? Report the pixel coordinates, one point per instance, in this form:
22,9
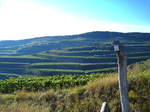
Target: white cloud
20,20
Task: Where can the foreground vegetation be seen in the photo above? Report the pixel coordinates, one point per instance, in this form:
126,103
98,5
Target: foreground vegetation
86,97
32,83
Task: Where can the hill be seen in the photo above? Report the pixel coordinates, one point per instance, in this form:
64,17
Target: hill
86,53
76,97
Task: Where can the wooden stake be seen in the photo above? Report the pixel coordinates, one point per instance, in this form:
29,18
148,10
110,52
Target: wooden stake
122,77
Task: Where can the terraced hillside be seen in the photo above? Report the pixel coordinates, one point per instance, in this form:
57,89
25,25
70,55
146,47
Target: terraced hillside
76,54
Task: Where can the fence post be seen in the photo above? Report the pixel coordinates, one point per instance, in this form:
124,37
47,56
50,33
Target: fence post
122,76
104,107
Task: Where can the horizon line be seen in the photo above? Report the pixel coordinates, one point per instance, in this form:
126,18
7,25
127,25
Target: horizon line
72,35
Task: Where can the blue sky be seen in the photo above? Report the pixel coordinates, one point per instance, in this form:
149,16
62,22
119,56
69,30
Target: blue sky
33,18
125,11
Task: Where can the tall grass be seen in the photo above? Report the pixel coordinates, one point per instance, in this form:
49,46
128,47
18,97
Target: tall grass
85,98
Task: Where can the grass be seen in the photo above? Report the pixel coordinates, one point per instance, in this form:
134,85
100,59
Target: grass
70,63
85,98
8,74
14,63
71,70
57,70
91,57
59,57
23,57
67,51
139,57
24,107
100,70
144,44
138,52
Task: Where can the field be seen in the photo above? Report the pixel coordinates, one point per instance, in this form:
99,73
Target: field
40,83
72,93
75,73
74,60
85,53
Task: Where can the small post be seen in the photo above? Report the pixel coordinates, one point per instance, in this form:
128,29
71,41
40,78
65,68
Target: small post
122,77
104,107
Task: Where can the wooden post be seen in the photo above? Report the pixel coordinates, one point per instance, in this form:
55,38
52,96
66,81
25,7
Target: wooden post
104,107
122,77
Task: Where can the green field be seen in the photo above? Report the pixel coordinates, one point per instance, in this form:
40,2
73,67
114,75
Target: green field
76,93
86,53
78,60
74,73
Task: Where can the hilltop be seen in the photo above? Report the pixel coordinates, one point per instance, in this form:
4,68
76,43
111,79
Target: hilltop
85,53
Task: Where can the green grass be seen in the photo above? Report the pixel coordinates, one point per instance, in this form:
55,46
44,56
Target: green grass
138,52
101,70
70,63
77,39
40,70
23,57
139,57
63,56
8,74
54,57
81,97
78,47
13,63
55,70
67,51
144,44
6,53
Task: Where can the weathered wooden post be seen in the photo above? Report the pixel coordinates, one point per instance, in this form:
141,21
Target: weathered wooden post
122,77
105,107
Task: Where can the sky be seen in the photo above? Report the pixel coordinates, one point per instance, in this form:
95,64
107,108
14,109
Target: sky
21,19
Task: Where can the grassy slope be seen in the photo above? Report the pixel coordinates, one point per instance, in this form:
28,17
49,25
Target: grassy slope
92,47
64,61
86,98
